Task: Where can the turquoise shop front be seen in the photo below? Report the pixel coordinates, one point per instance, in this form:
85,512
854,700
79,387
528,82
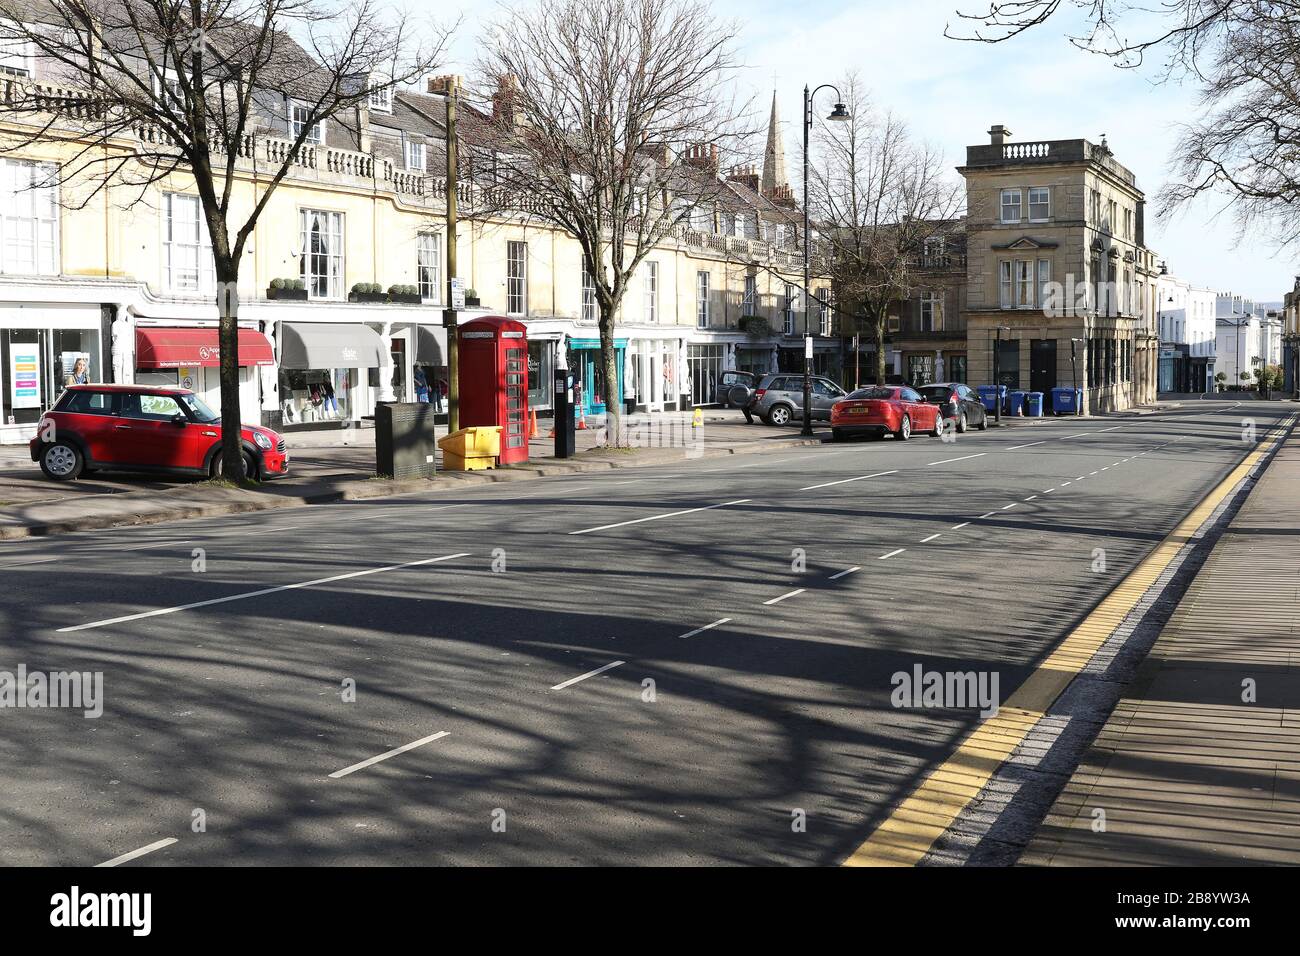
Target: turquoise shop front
587,367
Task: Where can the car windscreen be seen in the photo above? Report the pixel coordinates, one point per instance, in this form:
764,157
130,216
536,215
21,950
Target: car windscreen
935,393
198,409
877,392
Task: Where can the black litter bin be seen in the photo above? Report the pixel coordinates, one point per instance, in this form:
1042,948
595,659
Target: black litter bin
405,441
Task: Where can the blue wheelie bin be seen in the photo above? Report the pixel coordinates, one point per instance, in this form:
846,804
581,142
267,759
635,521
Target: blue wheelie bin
1015,403
1034,404
989,395
1066,401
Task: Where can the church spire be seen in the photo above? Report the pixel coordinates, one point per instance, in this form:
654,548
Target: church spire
774,178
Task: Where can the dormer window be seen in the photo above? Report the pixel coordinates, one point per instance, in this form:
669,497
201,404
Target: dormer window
381,95
168,89
299,114
15,57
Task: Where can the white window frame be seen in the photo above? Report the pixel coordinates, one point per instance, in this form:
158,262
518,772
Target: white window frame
17,58
177,247
415,155
381,95
749,299
317,135
333,277
787,310
1046,202
1004,195
1024,278
703,312
516,277
651,288
40,223
825,315
589,313
1006,284
931,311
780,235
428,266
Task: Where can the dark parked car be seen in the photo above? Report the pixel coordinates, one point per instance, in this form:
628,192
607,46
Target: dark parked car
957,403
731,379
778,399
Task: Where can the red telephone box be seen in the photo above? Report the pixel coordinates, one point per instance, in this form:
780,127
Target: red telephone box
494,381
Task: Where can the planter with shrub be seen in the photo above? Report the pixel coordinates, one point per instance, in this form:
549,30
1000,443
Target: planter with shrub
291,290
405,294
471,299
367,292
755,326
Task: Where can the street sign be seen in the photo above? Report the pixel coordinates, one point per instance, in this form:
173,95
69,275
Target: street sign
458,294
807,346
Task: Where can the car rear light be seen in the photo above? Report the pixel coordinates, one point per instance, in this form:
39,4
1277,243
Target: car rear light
760,393
953,398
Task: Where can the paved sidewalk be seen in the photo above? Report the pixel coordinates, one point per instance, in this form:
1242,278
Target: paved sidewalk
31,505
1190,769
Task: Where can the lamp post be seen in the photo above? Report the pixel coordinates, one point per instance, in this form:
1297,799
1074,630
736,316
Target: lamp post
839,114
1074,377
997,371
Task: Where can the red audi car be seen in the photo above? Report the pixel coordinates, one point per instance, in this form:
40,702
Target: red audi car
878,409
137,428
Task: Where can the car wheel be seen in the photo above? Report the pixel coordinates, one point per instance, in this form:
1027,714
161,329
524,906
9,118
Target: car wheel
837,435
62,461
904,428
984,421
962,424
249,467
780,415
939,422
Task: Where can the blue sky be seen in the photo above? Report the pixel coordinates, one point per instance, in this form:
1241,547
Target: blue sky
951,92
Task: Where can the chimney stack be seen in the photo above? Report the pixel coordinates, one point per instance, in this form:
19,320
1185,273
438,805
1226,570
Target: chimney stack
705,157
442,85
505,103
999,135
745,175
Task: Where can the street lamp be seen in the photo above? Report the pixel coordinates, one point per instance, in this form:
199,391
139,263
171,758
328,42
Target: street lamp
997,371
1074,377
839,114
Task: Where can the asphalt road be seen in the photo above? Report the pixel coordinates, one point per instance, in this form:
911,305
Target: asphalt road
971,555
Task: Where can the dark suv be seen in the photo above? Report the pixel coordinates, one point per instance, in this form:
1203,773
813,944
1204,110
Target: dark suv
136,428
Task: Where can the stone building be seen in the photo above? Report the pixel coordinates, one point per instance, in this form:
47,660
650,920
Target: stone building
1059,284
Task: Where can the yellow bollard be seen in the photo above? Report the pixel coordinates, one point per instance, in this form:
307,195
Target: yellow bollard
698,420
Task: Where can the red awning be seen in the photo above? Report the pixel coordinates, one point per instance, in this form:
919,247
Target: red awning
184,348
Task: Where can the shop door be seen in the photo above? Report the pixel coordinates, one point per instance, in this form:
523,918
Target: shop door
654,383
1042,366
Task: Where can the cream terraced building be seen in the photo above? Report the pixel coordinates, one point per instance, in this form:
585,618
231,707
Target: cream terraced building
127,283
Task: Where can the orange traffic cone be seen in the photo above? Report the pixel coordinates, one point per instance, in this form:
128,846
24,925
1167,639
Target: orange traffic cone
533,432
582,418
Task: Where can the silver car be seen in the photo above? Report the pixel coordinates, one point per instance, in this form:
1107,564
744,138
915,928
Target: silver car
778,398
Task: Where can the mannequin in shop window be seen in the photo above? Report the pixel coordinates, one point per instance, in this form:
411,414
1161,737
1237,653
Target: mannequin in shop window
421,385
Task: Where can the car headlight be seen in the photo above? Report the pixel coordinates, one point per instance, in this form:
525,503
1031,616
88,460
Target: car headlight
262,441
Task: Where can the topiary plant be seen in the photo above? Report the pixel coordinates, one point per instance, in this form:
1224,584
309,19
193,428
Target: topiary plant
277,283
298,285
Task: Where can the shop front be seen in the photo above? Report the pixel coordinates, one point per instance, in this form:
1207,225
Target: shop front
330,372
705,363
653,366
756,359
541,372
42,350
588,370
190,357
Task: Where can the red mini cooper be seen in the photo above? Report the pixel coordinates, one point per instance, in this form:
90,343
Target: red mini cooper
138,428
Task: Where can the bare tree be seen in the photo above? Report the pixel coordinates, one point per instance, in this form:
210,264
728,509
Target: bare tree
878,196
148,89
620,109
1244,55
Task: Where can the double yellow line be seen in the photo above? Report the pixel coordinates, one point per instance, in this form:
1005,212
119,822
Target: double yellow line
912,829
